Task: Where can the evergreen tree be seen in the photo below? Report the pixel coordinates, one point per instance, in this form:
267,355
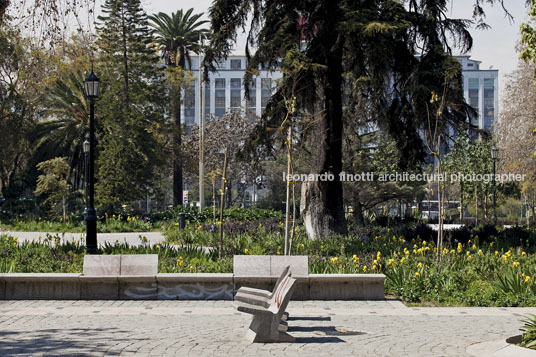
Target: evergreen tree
131,108
361,50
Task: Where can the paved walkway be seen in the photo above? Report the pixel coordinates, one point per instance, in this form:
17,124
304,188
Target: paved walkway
214,328
132,238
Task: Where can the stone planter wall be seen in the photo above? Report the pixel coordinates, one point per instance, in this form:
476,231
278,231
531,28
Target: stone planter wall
198,286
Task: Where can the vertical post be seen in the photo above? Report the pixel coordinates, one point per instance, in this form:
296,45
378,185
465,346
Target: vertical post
494,194
91,215
287,207
222,203
201,136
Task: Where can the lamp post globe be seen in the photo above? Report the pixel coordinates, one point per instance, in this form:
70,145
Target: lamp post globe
92,87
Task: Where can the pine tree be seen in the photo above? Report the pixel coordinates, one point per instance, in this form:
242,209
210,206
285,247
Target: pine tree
131,108
349,52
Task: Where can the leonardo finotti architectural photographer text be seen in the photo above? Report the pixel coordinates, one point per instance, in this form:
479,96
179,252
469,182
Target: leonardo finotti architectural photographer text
405,177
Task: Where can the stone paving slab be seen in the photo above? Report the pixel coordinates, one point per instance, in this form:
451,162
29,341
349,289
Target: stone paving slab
215,328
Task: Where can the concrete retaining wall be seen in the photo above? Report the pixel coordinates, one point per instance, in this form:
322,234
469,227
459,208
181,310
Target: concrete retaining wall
183,286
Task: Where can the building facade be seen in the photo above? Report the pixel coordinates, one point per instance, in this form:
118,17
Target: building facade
224,91
481,91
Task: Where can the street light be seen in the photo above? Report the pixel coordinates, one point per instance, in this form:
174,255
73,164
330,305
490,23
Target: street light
92,86
85,149
494,153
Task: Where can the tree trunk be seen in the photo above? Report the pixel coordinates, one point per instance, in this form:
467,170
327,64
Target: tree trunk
177,135
358,212
322,201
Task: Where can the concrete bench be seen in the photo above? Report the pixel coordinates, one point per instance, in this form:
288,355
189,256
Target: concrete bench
262,272
262,297
127,276
265,325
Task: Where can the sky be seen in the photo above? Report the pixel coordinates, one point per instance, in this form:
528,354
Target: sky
494,47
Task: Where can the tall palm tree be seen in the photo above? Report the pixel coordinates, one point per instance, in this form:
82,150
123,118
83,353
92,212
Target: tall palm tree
177,36
67,125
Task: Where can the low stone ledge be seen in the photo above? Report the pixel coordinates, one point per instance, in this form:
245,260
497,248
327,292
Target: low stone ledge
346,286
195,286
137,287
41,277
347,277
194,277
99,287
2,287
45,286
301,292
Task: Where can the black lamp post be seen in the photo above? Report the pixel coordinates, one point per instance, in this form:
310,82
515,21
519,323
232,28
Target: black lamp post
494,153
85,149
92,86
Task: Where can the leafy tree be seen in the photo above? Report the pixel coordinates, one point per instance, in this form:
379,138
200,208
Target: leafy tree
131,107
53,182
362,49
177,35
68,108
228,132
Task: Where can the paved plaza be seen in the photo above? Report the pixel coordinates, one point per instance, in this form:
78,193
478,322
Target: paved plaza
215,328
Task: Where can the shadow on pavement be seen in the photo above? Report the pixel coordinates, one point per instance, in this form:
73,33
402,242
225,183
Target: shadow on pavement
57,341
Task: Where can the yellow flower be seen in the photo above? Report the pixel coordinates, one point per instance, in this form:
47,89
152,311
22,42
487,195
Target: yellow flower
375,261
158,246
419,265
523,254
467,253
515,264
402,260
491,244
390,262
334,260
355,257
474,246
480,252
504,257
374,267
378,256
423,242
364,268
417,274
246,251
278,252
414,246
459,248
527,279
508,253
496,253
452,251
302,246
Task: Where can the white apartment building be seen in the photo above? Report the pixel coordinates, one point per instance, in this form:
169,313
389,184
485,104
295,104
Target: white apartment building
481,89
224,91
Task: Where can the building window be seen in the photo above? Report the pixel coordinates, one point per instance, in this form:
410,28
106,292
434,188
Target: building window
207,98
189,103
219,102
235,92
236,64
251,103
266,91
489,107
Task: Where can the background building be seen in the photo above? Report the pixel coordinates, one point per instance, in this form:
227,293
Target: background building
224,91
481,91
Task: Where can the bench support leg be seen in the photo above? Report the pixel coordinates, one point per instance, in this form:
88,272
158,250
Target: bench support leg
265,328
